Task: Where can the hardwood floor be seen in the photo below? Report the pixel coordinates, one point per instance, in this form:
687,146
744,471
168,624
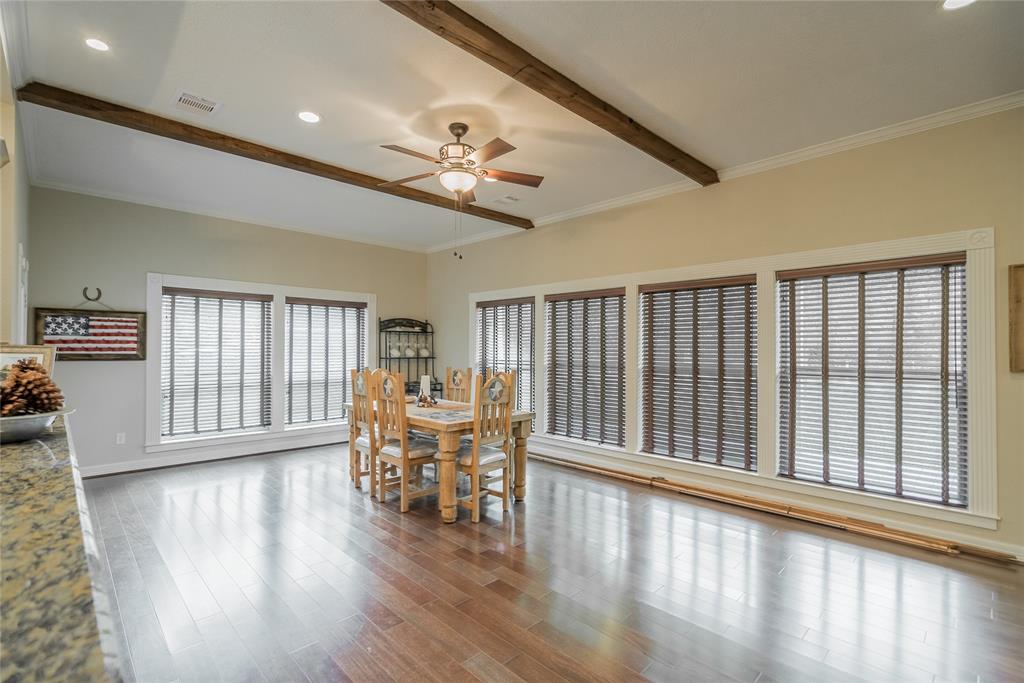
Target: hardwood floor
274,568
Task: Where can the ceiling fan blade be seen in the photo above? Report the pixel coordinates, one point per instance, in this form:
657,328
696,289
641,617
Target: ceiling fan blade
517,178
467,197
410,152
493,149
393,183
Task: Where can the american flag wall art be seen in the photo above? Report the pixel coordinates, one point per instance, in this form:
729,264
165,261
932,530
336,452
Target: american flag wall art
92,335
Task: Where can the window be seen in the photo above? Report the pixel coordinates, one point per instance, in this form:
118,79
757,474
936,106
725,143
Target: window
323,342
698,360
504,338
585,352
873,377
215,362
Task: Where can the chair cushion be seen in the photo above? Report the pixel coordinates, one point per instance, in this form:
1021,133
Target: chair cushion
418,448
489,455
363,442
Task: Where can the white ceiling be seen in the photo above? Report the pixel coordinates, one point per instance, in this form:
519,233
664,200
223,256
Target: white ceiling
737,82
732,83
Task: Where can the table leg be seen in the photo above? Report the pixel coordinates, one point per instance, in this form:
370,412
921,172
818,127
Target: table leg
448,444
521,432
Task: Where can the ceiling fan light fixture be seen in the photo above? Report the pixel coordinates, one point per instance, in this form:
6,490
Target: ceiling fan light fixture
455,151
956,4
457,180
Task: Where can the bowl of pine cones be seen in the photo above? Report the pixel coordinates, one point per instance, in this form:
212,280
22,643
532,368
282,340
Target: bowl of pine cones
29,402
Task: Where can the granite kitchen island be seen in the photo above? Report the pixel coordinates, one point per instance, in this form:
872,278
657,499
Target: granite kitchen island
56,622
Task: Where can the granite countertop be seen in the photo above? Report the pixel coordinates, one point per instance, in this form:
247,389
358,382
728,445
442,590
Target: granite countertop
55,621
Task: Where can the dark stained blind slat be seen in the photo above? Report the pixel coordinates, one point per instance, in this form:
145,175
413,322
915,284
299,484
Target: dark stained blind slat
872,370
504,334
698,351
323,344
215,361
586,363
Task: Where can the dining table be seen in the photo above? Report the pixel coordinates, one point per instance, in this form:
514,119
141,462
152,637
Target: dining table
448,422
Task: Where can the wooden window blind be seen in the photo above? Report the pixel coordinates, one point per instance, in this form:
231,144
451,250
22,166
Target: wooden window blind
215,362
698,354
585,352
504,337
873,377
323,342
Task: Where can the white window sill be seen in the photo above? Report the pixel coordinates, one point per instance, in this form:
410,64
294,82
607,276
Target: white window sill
648,464
277,438
328,426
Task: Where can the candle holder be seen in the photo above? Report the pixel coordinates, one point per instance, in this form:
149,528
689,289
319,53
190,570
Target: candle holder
425,400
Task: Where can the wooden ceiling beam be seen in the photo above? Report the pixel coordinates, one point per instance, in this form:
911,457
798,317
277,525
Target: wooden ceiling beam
461,29
90,107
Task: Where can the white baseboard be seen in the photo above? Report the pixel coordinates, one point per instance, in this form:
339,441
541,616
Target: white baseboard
220,452
578,453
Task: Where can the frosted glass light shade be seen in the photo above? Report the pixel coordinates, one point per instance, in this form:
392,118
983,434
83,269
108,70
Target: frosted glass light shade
457,180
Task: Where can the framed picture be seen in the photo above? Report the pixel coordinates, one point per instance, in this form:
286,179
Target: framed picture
11,354
1017,318
92,335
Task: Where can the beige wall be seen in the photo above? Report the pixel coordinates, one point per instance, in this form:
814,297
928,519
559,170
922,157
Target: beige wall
14,195
962,176
80,241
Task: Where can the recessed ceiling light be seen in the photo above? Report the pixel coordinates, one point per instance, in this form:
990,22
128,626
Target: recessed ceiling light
956,4
97,44
490,180
309,117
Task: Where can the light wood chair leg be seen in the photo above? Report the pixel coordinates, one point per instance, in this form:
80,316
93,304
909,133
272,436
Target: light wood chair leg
504,489
381,479
373,476
475,496
357,468
404,488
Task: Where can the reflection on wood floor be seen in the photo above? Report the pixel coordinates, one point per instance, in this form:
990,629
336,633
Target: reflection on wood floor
274,568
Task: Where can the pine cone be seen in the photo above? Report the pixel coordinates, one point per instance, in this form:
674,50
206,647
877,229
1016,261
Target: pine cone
28,389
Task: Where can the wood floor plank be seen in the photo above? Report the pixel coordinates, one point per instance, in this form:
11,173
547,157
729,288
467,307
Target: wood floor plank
486,669
358,664
318,666
232,659
489,643
274,568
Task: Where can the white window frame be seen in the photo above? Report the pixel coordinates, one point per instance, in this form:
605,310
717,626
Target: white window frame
982,506
279,434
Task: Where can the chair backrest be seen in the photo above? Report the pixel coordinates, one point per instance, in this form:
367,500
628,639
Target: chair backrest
363,394
458,384
390,395
492,410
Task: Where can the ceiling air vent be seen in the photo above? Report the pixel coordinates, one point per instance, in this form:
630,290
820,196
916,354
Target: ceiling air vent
196,104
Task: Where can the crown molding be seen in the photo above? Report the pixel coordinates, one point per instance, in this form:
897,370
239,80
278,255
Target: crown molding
944,118
14,34
948,117
489,235
616,202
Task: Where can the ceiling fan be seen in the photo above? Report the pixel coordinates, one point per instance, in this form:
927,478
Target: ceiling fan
460,165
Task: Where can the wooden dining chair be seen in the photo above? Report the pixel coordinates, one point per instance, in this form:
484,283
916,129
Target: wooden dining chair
364,447
397,449
458,384
491,448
